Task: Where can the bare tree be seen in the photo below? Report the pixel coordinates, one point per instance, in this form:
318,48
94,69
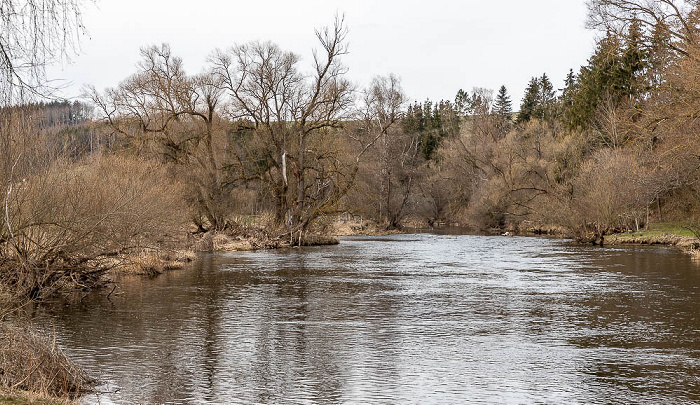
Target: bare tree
161,109
33,34
677,18
294,118
383,103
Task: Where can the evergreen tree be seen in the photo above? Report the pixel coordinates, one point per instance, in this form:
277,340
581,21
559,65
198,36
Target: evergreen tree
530,100
566,100
545,99
503,109
633,62
503,106
659,55
463,103
615,73
432,122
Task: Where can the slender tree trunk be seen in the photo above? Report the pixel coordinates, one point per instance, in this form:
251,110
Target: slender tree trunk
386,182
301,184
213,195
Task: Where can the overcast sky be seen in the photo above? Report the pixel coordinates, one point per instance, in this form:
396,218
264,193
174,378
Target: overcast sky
436,47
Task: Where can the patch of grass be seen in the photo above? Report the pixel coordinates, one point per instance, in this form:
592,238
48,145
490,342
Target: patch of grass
674,228
30,361
659,229
8,397
665,233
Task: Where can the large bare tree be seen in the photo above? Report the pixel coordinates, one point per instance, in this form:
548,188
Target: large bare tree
295,119
383,108
676,19
162,110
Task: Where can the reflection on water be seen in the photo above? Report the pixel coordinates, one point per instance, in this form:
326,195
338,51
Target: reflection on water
401,319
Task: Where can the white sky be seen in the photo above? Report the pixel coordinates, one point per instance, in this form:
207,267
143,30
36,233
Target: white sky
436,47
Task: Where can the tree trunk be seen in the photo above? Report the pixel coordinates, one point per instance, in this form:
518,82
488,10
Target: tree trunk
301,187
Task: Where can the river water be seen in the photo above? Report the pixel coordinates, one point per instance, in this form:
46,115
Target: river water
401,319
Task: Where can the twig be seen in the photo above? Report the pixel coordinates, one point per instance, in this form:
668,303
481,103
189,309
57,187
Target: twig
110,293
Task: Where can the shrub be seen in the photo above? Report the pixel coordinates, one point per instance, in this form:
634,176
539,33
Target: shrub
67,224
33,362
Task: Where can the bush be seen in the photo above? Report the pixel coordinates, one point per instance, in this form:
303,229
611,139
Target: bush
32,362
611,190
67,224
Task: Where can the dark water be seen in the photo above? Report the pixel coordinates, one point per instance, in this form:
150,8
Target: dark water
401,319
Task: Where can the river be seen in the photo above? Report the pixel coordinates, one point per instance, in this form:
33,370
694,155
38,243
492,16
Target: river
418,318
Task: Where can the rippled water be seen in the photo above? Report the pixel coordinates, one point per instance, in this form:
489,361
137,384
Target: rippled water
401,319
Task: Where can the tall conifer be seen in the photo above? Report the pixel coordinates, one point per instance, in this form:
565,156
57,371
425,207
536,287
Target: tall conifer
503,107
529,104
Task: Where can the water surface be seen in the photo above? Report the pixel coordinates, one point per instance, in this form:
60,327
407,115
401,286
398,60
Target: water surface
400,319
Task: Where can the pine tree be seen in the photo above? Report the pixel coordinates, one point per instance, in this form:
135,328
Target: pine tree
566,100
463,103
432,122
530,100
634,62
659,56
546,98
503,107
615,73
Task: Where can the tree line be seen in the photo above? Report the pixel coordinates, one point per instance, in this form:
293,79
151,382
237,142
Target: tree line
259,137
611,149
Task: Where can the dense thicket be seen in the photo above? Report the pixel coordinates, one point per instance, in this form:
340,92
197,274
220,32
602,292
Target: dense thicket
612,150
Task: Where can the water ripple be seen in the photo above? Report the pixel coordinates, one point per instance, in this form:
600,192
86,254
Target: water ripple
402,319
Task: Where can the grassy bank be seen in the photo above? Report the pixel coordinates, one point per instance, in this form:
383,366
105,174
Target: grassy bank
665,233
9,397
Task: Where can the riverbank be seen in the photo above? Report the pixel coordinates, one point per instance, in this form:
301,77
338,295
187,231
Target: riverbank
156,261
11,397
676,234
355,226
343,226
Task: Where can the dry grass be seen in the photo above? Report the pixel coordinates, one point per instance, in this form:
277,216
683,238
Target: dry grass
30,361
154,262
227,242
355,226
17,397
653,238
250,237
